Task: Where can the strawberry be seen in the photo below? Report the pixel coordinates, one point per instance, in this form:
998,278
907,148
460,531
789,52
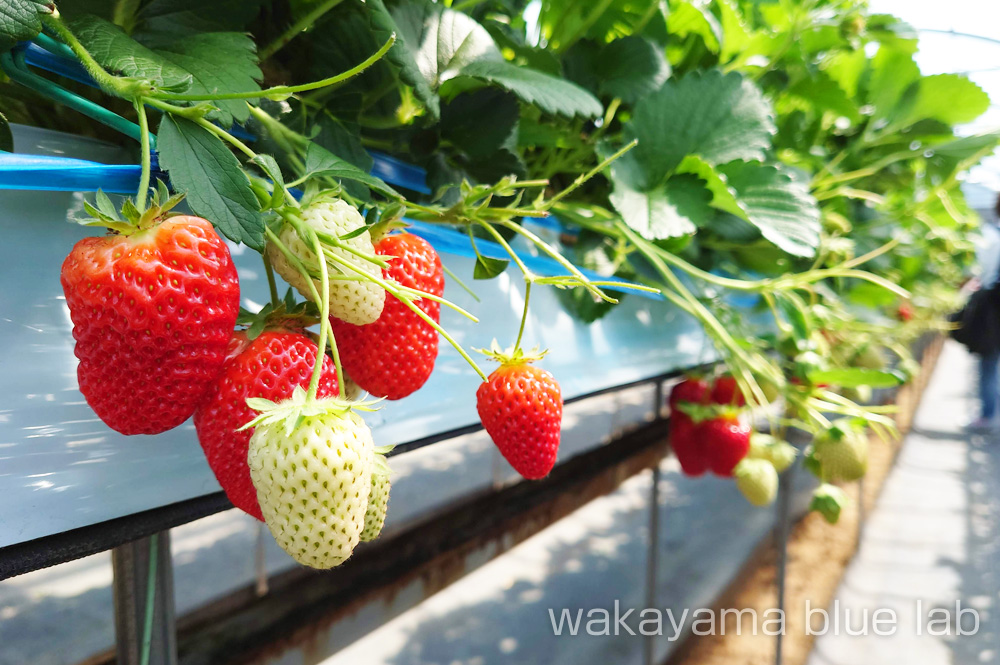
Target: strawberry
757,479
520,407
153,309
311,462
270,366
905,312
725,441
686,445
828,500
842,451
727,391
691,389
780,454
357,302
378,499
394,356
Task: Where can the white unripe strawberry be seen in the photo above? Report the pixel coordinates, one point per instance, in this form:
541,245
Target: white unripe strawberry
378,500
780,454
357,302
311,464
842,451
757,480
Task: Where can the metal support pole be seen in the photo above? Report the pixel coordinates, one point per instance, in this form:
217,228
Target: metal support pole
651,559
144,624
781,544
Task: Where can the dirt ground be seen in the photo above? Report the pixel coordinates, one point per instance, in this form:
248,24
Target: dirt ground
818,554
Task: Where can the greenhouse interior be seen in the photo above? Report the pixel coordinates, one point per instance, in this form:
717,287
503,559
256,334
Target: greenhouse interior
500,332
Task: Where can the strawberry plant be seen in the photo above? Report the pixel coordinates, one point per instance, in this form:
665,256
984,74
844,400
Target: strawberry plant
745,161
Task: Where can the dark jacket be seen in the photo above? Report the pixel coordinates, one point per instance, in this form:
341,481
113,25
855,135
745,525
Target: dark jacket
979,322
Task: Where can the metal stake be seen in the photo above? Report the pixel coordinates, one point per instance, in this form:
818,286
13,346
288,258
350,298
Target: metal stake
781,544
651,559
135,611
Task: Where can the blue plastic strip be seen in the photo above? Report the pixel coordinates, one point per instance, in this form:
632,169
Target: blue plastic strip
29,172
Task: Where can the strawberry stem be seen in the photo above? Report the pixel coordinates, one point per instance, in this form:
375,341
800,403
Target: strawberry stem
524,312
140,197
272,285
325,330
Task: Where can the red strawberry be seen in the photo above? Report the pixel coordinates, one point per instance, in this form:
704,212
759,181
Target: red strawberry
905,312
727,391
394,356
271,366
691,389
725,441
521,408
686,445
153,311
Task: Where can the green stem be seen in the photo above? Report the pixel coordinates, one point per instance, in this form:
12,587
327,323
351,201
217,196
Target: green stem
408,302
324,324
524,313
503,243
589,174
121,87
296,28
140,197
272,285
284,90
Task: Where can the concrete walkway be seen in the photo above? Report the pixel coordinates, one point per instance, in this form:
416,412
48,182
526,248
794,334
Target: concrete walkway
930,548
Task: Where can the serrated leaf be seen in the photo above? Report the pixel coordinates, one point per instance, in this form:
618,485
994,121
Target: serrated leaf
674,209
687,18
487,268
208,172
854,377
552,95
948,98
320,161
628,68
481,122
21,20
184,17
117,52
892,73
407,21
822,92
218,62
720,117
203,64
783,209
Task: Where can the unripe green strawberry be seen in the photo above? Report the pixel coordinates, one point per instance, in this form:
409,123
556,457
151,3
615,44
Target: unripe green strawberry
869,357
842,451
780,454
311,462
357,302
378,500
757,480
828,500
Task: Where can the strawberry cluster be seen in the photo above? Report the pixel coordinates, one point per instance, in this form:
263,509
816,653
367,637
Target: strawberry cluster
710,432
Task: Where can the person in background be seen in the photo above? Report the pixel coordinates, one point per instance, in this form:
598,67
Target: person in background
988,255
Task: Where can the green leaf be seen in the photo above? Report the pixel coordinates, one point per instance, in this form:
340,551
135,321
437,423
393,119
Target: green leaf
184,17
783,210
628,68
270,167
550,94
117,52
201,166
735,32
854,377
687,18
320,161
948,98
200,64
480,123
822,92
892,73
21,20
720,117
6,137
723,197
675,209
218,62
487,268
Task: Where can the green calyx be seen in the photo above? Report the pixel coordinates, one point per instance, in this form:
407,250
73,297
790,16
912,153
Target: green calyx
131,219
701,412
292,411
829,500
286,315
514,355
381,467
